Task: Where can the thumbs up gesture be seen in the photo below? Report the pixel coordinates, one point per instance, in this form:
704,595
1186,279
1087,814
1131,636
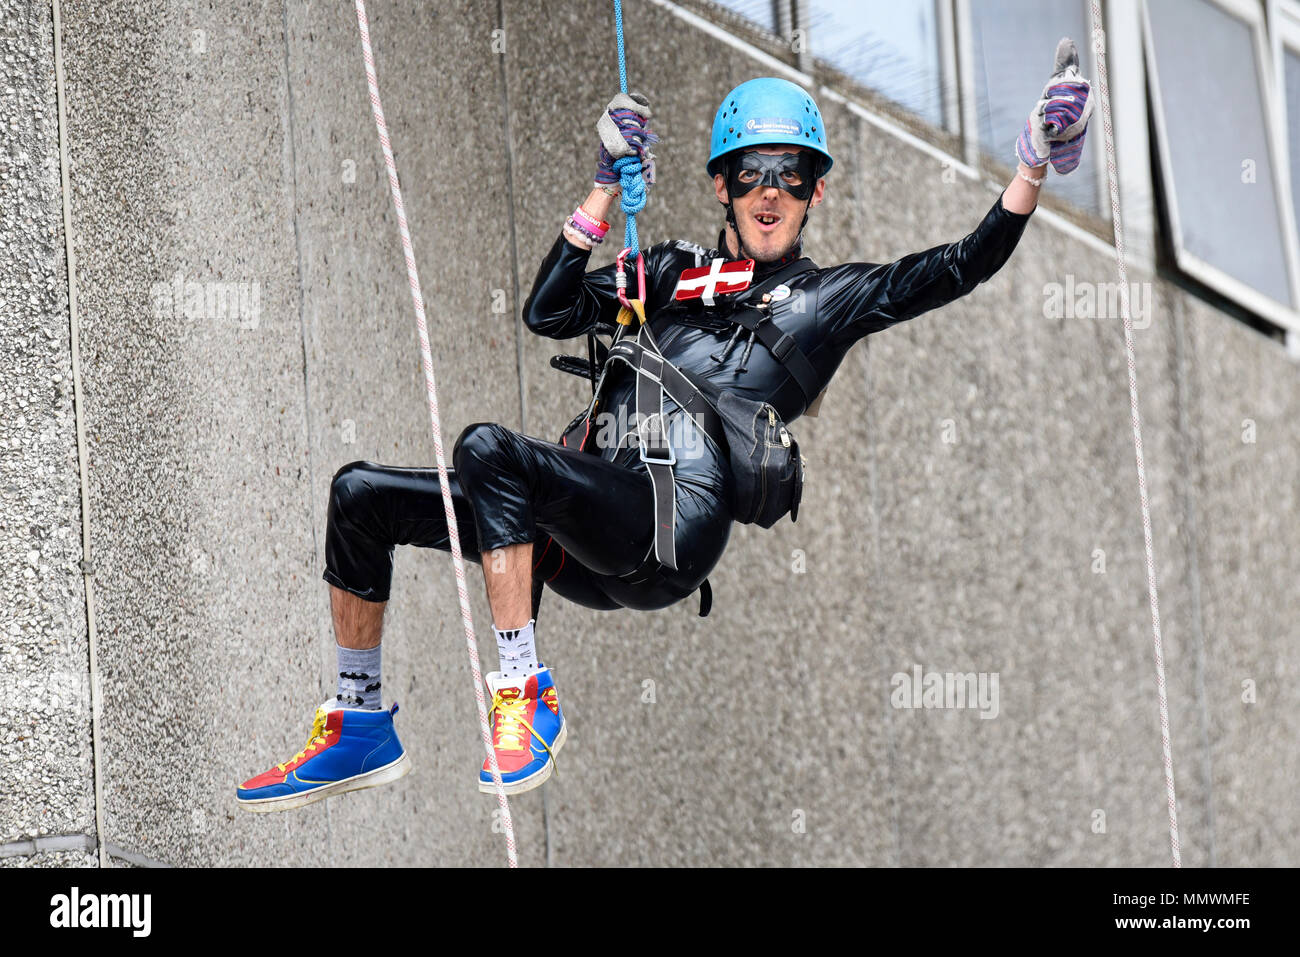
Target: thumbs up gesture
1057,125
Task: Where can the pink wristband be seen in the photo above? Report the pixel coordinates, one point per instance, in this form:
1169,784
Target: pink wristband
591,222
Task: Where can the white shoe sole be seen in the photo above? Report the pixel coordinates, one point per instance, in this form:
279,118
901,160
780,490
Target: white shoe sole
535,780
386,774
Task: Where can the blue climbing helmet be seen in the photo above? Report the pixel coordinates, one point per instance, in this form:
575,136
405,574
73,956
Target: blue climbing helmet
767,111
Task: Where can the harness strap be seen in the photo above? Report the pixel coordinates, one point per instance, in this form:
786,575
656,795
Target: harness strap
684,387
657,454
781,344
783,348
655,377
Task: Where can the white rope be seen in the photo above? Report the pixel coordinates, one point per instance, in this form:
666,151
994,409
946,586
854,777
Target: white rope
83,456
1099,49
426,357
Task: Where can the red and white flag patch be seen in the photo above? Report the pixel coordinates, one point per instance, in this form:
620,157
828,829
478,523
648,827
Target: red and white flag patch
720,277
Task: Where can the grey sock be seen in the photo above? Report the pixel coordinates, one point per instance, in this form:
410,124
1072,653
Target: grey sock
359,685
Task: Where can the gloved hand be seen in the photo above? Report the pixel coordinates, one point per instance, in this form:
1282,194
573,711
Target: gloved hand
1059,122
623,132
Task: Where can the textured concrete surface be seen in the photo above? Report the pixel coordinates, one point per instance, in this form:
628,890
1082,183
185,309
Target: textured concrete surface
971,506
448,130
1242,405
52,859
224,626
46,785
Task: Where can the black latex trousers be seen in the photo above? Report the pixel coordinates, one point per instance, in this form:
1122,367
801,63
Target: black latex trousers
590,520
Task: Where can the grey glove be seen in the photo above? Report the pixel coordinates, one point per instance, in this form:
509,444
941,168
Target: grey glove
1057,125
617,122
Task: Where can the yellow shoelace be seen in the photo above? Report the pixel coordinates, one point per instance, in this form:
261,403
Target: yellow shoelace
510,715
318,736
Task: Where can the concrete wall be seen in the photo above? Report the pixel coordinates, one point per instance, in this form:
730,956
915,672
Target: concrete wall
46,782
967,471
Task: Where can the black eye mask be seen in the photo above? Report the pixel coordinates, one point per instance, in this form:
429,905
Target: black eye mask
770,167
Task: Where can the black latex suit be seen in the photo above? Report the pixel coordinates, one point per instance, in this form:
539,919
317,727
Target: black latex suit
590,513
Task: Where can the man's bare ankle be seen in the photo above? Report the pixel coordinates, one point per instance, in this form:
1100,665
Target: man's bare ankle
358,623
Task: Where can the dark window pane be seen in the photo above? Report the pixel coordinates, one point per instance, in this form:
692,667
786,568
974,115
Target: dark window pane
1014,42
1291,62
1213,115
892,48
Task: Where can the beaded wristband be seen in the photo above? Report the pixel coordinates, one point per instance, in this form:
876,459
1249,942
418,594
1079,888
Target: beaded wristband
577,237
598,226
613,189
1030,181
582,231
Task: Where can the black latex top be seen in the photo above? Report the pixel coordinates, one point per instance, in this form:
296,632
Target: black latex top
854,300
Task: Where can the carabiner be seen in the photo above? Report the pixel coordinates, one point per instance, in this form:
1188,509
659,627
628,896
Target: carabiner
620,278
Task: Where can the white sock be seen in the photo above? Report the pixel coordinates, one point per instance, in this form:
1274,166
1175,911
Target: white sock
515,648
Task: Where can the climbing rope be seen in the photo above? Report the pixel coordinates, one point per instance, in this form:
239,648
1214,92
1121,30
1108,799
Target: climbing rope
629,169
453,532
1099,49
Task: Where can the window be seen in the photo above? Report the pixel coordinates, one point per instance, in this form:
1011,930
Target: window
892,48
1205,63
1291,73
1011,44
1286,48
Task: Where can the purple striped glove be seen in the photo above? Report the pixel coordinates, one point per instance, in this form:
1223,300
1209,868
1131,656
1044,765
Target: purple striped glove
623,132
1059,122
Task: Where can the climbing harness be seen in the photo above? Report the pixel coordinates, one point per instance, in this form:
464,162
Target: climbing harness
426,357
1099,51
766,464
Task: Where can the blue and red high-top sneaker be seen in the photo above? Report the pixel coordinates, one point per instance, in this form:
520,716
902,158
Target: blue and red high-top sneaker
527,730
349,749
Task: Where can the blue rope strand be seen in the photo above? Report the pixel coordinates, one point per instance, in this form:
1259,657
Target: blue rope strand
622,60
629,167
634,199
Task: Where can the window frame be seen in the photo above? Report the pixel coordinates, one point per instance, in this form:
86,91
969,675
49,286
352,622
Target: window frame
972,151
1252,14
1285,14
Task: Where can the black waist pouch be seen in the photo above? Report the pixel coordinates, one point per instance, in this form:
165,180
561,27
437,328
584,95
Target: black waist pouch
766,466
